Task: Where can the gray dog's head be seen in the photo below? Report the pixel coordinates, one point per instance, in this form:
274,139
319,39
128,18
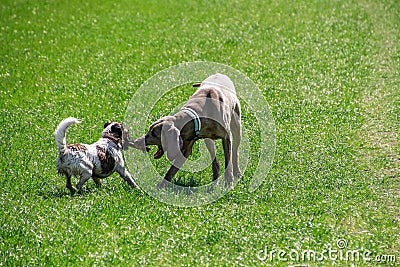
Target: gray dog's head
163,134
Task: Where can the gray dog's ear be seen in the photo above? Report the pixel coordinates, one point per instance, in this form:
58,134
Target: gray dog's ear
196,84
171,140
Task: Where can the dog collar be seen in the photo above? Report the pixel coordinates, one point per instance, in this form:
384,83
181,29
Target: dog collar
115,140
196,120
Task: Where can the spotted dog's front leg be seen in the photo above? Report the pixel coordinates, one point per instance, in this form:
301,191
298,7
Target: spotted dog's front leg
127,177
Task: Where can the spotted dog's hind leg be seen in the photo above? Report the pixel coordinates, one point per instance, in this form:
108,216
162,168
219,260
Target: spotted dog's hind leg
85,175
97,181
69,185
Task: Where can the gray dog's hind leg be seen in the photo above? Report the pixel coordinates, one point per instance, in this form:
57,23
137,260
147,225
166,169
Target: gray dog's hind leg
236,130
215,164
227,145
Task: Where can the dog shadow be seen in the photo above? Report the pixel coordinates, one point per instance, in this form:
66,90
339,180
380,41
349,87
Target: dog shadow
58,192
184,182
62,192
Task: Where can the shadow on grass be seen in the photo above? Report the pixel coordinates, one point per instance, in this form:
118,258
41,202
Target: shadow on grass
61,192
184,182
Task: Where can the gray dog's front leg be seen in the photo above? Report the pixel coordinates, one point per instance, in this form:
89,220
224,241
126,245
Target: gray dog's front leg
177,164
168,177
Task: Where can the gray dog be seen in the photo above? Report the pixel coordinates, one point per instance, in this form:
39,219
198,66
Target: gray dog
98,160
211,113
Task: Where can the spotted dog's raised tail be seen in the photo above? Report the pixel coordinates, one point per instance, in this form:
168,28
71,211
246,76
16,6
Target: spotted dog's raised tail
61,133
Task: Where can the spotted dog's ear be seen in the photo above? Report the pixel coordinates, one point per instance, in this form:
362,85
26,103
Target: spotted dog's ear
106,124
126,138
116,127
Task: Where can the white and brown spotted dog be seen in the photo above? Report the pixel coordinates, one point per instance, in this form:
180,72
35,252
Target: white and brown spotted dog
96,161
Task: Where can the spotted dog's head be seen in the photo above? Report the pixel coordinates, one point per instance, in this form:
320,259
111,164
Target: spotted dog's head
118,133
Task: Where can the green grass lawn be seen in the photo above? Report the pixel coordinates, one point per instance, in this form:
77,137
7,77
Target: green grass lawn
330,71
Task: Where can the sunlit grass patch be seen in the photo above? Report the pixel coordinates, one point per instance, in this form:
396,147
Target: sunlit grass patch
328,69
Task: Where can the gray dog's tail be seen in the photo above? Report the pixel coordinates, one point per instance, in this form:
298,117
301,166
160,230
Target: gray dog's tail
61,132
